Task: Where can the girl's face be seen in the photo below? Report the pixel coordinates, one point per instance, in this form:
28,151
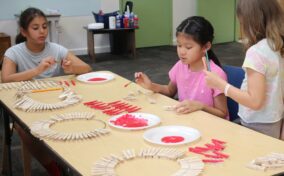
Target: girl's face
189,51
37,30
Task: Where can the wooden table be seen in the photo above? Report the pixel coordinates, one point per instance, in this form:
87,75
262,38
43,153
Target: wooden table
243,145
122,40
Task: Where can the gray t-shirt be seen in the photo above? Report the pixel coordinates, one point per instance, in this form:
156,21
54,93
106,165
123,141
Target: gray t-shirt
25,59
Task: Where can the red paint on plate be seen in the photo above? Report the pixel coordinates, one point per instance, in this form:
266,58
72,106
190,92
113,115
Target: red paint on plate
172,139
97,79
129,120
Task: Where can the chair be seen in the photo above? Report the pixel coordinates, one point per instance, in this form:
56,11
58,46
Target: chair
235,77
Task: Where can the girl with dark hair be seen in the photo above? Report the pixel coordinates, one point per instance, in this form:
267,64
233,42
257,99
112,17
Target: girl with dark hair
194,39
32,58
261,97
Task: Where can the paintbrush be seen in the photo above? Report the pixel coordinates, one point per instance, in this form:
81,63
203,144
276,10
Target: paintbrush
133,80
46,90
207,62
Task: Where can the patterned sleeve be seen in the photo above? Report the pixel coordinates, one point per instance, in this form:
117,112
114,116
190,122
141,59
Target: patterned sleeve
254,61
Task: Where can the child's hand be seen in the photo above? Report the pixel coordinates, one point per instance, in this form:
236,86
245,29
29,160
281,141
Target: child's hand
188,106
45,64
214,81
67,66
143,80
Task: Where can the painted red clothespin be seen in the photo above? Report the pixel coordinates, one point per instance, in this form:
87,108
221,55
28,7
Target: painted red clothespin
73,82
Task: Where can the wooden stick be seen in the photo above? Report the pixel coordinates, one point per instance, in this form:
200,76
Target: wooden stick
46,90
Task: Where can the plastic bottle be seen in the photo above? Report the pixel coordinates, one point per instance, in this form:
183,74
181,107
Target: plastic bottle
118,22
136,19
131,20
126,21
112,23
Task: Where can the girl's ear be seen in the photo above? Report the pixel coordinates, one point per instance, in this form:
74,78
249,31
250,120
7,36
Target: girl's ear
207,47
23,32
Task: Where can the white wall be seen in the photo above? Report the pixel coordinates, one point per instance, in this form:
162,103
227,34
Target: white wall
181,10
71,32
74,37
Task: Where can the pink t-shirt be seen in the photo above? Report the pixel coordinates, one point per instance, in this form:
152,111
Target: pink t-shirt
192,86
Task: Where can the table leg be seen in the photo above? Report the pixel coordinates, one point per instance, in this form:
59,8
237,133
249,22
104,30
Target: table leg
7,164
91,45
132,43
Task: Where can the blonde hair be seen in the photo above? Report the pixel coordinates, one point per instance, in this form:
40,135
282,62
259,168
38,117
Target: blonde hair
261,19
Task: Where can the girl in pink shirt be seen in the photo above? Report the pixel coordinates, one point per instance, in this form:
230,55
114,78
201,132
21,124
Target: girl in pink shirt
194,39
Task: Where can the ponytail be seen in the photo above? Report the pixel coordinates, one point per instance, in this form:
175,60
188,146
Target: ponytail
20,38
212,56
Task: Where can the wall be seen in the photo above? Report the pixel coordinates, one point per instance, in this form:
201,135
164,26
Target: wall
71,32
73,36
181,10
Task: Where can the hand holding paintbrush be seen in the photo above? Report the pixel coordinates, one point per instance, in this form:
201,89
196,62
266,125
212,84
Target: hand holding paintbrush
206,62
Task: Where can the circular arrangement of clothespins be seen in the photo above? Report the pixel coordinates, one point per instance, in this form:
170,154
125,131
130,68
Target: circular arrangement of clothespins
192,166
42,129
26,103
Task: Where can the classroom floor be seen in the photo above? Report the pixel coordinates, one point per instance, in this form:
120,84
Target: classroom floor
156,61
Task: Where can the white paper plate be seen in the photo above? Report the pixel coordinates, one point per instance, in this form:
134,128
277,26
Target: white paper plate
98,77
155,135
151,119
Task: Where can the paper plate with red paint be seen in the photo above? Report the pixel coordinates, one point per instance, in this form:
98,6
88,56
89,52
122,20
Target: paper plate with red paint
171,135
95,77
134,121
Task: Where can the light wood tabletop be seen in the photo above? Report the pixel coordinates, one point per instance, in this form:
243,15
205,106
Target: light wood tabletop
242,144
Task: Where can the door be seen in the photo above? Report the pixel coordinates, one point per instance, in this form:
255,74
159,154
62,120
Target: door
221,14
155,22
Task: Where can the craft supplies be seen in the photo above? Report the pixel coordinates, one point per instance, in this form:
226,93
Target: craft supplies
26,103
42,129
134,121
171,135
272,161
127,84
46,90
212,151
28,85
129,120
95,77
188,165
172,139
112,108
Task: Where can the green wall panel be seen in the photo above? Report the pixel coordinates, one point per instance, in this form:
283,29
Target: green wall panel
155,22
221,13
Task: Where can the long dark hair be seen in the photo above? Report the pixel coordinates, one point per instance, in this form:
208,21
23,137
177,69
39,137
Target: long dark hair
201,31
25,19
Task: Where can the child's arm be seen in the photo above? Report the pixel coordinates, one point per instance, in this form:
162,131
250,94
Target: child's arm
144,81
219,109
253,97
72,64
9,70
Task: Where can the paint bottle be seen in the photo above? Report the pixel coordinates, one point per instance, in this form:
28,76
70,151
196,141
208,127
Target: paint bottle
112,23
118,21
126,21
131,20
136,21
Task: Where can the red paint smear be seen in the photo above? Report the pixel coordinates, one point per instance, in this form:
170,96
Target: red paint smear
129,120
172,139
97,79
